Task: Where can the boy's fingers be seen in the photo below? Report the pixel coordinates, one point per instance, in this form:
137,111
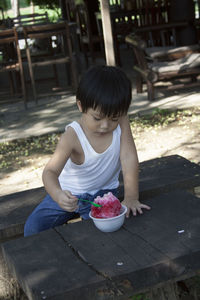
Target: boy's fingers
128,212
70,208
134,211
70,196
140,210
145,206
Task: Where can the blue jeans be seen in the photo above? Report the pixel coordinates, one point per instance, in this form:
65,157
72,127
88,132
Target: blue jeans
49,214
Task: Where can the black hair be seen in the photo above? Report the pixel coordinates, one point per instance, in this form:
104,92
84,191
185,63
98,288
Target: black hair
106,88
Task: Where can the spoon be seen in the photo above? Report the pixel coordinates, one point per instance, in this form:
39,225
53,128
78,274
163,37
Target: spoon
93,203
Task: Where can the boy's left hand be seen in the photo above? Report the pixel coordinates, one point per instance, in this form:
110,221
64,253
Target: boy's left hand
134,206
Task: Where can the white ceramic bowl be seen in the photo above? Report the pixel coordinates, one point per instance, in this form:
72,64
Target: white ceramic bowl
110,224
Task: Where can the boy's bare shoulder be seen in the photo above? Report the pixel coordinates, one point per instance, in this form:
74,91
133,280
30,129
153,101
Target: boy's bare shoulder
69,134
69,137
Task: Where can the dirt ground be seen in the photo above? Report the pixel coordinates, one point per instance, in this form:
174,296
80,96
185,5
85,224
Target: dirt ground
181,137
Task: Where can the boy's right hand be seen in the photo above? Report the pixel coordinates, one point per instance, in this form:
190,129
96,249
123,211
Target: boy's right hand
67,201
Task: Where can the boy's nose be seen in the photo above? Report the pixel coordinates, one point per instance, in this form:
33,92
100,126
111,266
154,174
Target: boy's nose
104,124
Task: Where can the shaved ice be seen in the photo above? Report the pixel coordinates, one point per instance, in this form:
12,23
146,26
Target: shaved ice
111,206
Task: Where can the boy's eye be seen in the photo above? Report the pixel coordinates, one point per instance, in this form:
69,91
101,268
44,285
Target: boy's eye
114,119
96,119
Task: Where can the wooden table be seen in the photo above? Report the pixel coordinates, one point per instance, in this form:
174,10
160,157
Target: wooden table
77,261
156,176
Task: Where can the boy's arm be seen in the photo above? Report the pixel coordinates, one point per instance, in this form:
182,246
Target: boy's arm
130,166
53,169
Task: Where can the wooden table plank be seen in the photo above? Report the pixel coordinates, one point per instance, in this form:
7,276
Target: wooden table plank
167,173
157,231
111,253
78,260
46,266
15,209
156,176
173,224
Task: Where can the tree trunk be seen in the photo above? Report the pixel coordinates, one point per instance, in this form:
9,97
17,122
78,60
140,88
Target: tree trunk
15,7
107,33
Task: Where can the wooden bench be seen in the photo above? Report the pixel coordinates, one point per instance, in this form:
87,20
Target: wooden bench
15,209
161,34
156,176
171,53
152,72
77,261
30,19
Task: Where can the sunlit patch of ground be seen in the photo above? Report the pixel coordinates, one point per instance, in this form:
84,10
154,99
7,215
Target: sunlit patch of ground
159,134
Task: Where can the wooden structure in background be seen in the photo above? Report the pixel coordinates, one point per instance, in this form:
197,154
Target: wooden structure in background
89,40
163,67
2,14
55,52
11,61
30,19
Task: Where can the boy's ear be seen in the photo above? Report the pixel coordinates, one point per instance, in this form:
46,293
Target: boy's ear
78,102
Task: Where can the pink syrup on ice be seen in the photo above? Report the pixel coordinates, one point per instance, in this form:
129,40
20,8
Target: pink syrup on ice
111,206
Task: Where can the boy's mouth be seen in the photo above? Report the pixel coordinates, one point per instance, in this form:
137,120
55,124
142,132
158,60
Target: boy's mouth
102,132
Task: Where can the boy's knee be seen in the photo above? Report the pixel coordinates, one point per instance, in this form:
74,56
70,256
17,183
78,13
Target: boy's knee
31,227
35,223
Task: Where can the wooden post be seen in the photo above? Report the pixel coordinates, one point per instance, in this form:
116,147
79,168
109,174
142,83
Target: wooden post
63,7
107,33
32,7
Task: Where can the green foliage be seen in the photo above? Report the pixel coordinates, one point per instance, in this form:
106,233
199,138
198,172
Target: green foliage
52,6
6,4
78,2
48,4
53,14
24,3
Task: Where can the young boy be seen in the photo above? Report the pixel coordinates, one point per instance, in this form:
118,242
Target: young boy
91,153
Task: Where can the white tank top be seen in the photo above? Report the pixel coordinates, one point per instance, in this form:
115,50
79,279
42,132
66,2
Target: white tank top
98,171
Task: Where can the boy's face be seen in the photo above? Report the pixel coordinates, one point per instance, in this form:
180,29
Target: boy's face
96,123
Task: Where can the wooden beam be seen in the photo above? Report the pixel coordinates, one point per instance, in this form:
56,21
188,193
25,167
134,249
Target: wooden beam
107,33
